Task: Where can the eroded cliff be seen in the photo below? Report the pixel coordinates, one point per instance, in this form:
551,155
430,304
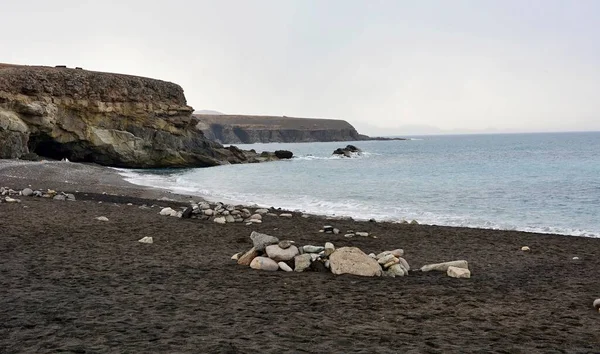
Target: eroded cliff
236,129
110,119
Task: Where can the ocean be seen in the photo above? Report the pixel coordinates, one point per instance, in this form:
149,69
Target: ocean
546,182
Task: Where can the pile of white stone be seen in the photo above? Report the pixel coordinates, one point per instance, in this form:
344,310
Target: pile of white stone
270,254
12,196
222,213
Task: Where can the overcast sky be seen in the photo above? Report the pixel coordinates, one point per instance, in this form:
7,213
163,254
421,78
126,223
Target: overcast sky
455,65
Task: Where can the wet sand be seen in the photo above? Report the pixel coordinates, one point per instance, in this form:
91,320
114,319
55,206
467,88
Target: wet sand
70,283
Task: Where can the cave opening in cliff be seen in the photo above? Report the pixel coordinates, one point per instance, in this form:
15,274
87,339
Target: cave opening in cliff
44,146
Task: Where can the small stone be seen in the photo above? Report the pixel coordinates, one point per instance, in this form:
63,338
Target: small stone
254,221
444,266
382,254
397,252
167,212
146,239
302,262
229,218
264,263
283,266
575,258
525,249
306,216
329,249
261,241
102,218
336,231
390,263
414,222
596,304
204,206
349,235
387,258
278,254
396,270
70,197
362,234
209,212
285,244
256,217
373,255
285,215
404,263
27,192
327,264
11,200
220,220
328,228
456,272
312,249
247,257
261,211
313,256
271,214
236,256
59,197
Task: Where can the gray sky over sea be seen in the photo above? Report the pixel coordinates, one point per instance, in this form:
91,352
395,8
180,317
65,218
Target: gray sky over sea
388,67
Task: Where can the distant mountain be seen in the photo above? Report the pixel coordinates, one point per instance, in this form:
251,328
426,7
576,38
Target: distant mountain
208,111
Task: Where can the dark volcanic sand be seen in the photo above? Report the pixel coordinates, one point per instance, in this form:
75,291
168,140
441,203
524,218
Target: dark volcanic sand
70,283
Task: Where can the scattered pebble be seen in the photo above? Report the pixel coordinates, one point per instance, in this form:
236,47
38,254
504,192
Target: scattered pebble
102,218
146,239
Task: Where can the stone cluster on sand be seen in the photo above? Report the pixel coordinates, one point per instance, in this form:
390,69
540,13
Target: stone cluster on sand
221,213
11,196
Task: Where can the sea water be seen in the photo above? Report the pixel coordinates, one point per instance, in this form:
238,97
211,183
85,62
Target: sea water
529,182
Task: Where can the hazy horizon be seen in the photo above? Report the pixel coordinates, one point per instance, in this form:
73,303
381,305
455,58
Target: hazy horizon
461,66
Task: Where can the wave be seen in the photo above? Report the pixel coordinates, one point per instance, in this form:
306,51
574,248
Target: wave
362,155
359,210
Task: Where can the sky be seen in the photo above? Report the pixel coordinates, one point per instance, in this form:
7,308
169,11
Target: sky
388,67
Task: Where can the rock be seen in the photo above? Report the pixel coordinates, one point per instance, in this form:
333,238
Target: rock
284,154
70,197
442,267
229,218
209,212
60,197
348,151
285,244
11,200
146,239
256,217
102,218
203,205
264,263
261,241
396,270
247,257
27,192
336,231
286,215
372,255
271,214
306,216
349,235
351,260
390,263
575,258
283,266
362,234
220,220
525,249
404,263
456,272
187,213
328,229
312,249
236,256
261,211
167,212
596,304
414,222
387,258
329,249
278,254
302,262
327,265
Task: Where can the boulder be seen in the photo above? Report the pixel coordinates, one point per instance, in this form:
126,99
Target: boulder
261,241
351,260
302,262
247,257
264,263
283,266
279,254
443,267
456,272
284,154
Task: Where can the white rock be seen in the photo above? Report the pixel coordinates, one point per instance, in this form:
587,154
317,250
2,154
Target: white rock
349,235
329,248
372,255
525,249
362,234
229,219
283,266
102,218
351,260
11,200
286,215
27,192
575,258
327,264
387,258
271,214
456,272
236,256
336,231
209,212
396,270
220,220
264,263
312,249
278,254
256,217
146,239
302,262
596,304
168,212
306,216
261,211
404,263
444,266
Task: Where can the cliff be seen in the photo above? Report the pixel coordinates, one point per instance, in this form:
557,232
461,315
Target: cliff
236,129
110,119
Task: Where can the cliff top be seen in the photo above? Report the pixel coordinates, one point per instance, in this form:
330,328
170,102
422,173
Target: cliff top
85,84
273,122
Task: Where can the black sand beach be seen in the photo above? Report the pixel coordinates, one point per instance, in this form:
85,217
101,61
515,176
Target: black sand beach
70,283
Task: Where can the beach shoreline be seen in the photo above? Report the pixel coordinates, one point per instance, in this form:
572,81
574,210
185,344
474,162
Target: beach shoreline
70,282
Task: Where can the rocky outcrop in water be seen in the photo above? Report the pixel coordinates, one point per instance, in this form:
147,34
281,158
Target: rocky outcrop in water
109,119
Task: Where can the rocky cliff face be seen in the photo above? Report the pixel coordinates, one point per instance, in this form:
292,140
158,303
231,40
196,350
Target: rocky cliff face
110,119
239,129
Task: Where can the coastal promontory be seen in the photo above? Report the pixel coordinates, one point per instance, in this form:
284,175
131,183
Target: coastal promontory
109,119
